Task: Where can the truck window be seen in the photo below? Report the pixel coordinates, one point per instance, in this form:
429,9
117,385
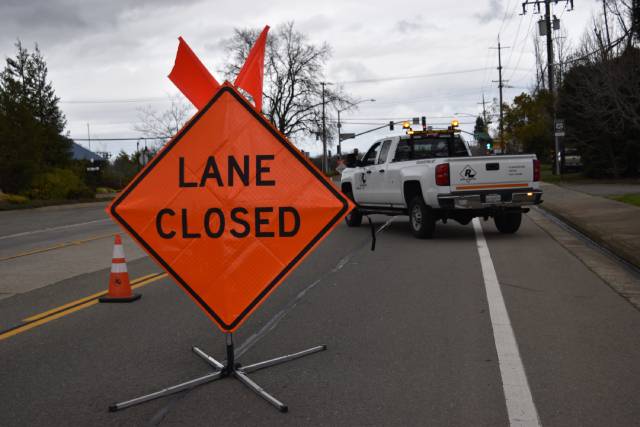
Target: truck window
384,151
370,158
403,151
428,148
459,148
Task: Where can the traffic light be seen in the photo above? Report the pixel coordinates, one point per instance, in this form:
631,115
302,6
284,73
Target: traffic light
391,125
489,146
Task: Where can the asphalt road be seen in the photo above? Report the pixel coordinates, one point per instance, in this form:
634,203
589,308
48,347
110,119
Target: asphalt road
46,245
412,335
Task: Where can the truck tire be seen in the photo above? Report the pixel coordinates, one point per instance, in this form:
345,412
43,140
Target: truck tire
421,219
353,218
508,222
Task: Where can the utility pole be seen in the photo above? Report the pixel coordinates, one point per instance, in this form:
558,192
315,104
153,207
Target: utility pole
89,136
324,133
547,23
500,86
548,31
484,110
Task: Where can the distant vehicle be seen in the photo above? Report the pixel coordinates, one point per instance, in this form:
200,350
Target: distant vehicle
572,160
430,175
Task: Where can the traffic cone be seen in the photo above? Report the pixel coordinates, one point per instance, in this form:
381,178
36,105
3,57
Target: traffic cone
119,286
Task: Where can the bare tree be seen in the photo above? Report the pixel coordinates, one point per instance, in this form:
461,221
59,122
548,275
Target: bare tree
541,64
562,49
162,125
293,75
600,97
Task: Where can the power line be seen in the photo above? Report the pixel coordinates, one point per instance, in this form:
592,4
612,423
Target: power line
395,118
486,74
377,122
601,49
114,101
522,50
515,41
417,76
137,138
504,17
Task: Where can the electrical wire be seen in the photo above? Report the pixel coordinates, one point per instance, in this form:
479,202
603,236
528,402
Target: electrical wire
115,101
524,39
417,76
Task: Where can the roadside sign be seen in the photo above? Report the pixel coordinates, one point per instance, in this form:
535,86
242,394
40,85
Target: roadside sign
229,208
559,127
344,136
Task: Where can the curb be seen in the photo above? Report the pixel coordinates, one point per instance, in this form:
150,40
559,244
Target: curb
608,245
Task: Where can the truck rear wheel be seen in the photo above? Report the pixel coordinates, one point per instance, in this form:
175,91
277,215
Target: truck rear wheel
353,218
508,222
421,219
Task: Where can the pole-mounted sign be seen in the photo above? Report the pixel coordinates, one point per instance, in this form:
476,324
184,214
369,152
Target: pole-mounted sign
559,127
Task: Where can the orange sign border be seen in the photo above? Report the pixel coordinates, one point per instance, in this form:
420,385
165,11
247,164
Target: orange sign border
112,209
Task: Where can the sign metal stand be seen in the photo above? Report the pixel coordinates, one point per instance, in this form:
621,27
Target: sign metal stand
221,370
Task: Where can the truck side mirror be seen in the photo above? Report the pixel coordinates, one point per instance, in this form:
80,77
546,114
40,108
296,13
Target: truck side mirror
352,161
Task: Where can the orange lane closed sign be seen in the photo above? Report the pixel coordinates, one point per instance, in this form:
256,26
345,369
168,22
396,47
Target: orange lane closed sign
229,207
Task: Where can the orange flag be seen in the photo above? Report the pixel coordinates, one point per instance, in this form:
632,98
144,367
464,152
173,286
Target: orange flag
252,72
191,76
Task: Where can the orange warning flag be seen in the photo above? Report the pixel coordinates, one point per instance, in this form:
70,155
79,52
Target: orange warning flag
192,77
252,72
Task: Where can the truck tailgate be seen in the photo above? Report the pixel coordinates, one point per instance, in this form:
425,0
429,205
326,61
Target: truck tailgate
491,172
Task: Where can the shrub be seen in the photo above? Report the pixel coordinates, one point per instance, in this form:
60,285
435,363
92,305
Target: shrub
16,199
59,184
105,190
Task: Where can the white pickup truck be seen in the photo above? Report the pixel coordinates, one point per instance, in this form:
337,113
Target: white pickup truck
431,175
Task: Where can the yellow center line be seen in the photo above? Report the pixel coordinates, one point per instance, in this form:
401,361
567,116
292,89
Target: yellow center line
58,246
81,300
37,323
72,307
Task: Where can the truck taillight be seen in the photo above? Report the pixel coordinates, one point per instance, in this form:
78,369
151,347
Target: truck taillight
536,170
442,174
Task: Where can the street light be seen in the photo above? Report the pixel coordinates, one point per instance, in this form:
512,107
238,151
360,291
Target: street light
351,105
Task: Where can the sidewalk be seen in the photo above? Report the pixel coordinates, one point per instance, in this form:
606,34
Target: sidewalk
614,225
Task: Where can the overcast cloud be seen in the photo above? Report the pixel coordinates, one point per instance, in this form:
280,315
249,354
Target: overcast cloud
108,58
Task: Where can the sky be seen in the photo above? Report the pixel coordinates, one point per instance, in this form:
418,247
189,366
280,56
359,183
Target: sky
109,59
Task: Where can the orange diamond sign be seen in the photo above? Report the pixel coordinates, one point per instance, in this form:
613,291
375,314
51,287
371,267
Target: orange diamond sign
229,208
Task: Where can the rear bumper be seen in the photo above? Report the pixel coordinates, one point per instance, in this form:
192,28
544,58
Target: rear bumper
497,199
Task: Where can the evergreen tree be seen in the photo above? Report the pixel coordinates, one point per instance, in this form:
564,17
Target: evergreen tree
31,123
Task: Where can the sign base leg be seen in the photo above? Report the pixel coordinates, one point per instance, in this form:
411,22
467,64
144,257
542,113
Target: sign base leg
222,370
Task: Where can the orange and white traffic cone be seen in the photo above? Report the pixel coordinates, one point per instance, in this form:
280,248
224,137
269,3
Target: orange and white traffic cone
119,286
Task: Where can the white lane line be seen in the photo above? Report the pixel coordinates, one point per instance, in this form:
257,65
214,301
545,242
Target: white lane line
61,227
520,406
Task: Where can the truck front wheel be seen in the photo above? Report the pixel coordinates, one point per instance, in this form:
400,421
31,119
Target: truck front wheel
508,222
421,219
